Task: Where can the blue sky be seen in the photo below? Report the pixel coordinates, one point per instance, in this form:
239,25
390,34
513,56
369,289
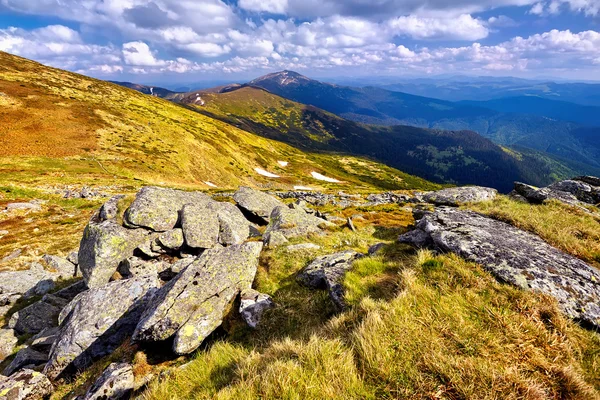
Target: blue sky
195,40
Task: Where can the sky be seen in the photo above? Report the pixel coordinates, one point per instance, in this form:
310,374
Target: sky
232,40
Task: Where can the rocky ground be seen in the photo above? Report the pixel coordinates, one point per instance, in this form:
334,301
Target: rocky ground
170,269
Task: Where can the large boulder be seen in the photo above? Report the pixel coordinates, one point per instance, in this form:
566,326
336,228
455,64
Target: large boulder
200,226
194,303
513,256
158,208
8,343
590,180
327,272
234,228
97,321
293,223
103,246
581,190
572,192
34,281
257,205
116,382
26,385
24,358
459,195
38,316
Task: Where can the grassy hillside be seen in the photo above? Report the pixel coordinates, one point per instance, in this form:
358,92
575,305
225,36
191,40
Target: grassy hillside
61,128
460,157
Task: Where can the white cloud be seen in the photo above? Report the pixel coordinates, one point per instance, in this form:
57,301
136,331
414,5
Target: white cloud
463,27
139,54
270,6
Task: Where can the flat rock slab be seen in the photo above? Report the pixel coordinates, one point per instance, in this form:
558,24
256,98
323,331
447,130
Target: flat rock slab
26,385
461,195
28,282
158,208
327,272
38,316
97,321
116,382
256,204
192,305
513,256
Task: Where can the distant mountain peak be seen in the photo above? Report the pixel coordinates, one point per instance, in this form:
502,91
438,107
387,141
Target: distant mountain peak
282,78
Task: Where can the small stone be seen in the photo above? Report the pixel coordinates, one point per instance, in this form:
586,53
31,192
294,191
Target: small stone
275,239
116,382
253,305
303,247
172,240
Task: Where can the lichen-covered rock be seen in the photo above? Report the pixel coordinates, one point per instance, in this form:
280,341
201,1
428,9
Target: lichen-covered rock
514,256
26,385
590,180
294,223
581,190
24,358
327,272
234,228
110,209
62,266
134,266
103,246
116,382
38,316
253,305
256,204
274,239
28,282
561,191
97,321
8,343
193,304
171,240
200,226
158,208
459,195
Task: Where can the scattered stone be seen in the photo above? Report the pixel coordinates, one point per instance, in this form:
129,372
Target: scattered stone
116,382
103,246
23,206
376,248
294,223
97,321
303,247
253,305
257,205
65,268
8,343
192,305
26,385
24,358
459,195
158,209
387,198
38,316
275,239
513,256
110,209
327,272
200,226
171,240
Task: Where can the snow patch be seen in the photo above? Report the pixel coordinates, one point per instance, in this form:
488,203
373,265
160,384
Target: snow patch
321,177
283,163
266,173
207,183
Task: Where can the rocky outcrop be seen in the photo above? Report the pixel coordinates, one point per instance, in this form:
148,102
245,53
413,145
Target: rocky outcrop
26,385
234,228
25,358
460,195
200,227
158,208
578,192
97,321
293,223
327,272
116,382
253,305
193,304
513,256
257,205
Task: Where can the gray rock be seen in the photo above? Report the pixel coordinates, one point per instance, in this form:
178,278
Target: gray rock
303,247
110,209
294,223
253,305
376,248
514,195
516,257
582,191
590,180
460,195
234,228
73,257
116,382
103,246
274,239
327,272
134,266
44,340
97,321
38,316
23,206
26,385
256,204
26,282
70,292
192,305
171,240
538,196
8,343
182,264
158,209
200,226
65,268
25,357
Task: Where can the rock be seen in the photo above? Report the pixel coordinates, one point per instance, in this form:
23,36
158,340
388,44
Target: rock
516,257
387,198
590,180
12,256
38,316
150,247
171,240
110,209
234,228
134,266
256,205
539,196
23,206
350,224
34,281
44,340
116,382
65,268
294,223
103,246
26,385
70,292
254,231
200,226
97,321
514,195
459,195
73,257
8,343
25,357
193,304
376,248
303,247
582,191
327,272
158,209
274,239
181,265
253,305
